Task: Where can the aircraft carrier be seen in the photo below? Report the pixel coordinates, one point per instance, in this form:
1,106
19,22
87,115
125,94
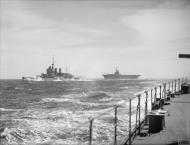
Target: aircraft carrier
117,75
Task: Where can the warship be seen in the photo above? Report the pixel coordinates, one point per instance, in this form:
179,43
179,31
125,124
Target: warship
117,75
52,74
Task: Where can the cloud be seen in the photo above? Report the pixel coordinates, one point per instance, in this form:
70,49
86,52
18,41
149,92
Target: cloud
157,26
22,29
174,4
164,32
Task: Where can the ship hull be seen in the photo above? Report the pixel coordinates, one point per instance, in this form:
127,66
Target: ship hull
32,79
112,76
55,79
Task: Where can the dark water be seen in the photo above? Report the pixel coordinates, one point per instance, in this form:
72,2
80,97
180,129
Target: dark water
58,112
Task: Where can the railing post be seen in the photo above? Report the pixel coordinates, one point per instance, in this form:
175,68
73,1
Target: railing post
115,124
179,85
151,98
130,121
90,129
172,86
139,99
169,86
155,96
164,91
146,110
175,87
136,118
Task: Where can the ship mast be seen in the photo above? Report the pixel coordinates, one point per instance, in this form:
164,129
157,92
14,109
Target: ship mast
53,60
116,71
53,63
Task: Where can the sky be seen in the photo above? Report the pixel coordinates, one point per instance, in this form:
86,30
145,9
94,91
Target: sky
93,37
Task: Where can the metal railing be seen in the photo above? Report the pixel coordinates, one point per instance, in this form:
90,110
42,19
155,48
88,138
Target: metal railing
146,101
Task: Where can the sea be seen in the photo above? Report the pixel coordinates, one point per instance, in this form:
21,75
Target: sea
59,113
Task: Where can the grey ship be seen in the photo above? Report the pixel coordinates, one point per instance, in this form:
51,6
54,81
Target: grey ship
52,74
117,75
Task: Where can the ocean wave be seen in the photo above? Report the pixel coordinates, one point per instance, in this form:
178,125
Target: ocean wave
106,99
22,88
124,87
98,95
71,104
65,98
63,127
19,88
62,100
83,98
64,118
151,83
54,127
18,136
4,109
122,103
55,100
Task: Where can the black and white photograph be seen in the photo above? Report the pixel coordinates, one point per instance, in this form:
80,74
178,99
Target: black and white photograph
94,72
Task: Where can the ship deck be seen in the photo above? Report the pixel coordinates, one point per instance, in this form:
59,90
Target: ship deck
177,124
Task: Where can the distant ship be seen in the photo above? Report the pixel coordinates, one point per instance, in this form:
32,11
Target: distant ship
52,74
117,75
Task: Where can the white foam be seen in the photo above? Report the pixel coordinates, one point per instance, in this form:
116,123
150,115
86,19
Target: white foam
19,88
56,100
4,109
42,125
74,101
106,99
125,87
47,123
122,102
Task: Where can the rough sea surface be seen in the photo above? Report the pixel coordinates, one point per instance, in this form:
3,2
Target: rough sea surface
57,113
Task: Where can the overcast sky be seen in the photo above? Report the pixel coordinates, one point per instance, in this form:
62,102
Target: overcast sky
93,37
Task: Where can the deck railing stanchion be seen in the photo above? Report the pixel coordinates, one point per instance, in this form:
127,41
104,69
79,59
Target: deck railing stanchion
155,96
172,86
169,86
164,91
179,85
130,121
155,93
136,118
151,99
115,125
90,133
139,99
146,103
175,86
